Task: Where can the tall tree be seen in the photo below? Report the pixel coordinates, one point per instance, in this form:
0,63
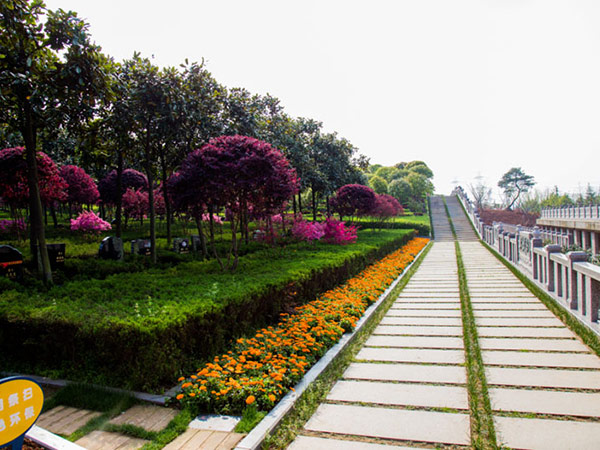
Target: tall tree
49,72
514,183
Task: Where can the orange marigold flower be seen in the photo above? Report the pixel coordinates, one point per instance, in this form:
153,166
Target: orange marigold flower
250,400
179,397
272,398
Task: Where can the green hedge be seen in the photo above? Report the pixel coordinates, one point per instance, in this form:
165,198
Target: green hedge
142,330
423,229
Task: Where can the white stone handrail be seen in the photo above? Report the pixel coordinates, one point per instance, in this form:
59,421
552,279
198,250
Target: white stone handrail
567,277
572,212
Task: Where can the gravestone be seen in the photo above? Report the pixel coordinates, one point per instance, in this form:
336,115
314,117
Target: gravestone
111,247
196,244
11,263
141,247
56,255
181,245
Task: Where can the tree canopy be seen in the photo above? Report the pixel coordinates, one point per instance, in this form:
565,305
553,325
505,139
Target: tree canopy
514,183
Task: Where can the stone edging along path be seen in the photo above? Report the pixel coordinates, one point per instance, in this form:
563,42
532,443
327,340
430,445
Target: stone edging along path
255,438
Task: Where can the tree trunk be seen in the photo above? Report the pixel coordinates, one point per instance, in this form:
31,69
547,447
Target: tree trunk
119,204
38,233
314,204
53,215
212,236
328,207
163,165
150,195
203,249
300,202
294,205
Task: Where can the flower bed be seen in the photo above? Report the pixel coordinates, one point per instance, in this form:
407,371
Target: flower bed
262,369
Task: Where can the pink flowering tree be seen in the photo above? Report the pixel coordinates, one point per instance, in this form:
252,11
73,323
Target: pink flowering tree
353,200
81,188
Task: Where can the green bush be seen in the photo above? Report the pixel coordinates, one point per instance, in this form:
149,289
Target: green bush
141,330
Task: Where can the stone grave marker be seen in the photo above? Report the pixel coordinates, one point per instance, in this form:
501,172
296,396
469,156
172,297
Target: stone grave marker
111,247
56,255
11,263
141,247
181,245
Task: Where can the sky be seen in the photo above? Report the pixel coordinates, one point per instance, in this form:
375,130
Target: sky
473,88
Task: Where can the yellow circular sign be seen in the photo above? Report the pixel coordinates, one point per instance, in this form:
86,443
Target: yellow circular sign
21,401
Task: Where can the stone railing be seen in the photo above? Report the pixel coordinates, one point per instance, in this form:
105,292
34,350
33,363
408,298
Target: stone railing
567,277
572,212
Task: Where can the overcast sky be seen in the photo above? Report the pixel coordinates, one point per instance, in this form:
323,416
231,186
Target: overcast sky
473,88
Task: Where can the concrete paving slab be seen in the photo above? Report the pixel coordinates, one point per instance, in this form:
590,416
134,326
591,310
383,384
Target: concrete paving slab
415,342
550,378
411,300
407,373
411,355
497,299
438,295
214,422
547,434
319,443
534,332
436,306
423,426
418,331
65,420
515,322
584,404
539,306
423,313
400,394
550,345
523,314
148,417
105,440
536,359
447,321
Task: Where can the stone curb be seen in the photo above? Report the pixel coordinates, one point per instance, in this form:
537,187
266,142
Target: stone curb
50,440
255,438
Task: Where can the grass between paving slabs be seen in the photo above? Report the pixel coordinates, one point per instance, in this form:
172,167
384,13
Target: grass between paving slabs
111,404
316,393
483,434
142,330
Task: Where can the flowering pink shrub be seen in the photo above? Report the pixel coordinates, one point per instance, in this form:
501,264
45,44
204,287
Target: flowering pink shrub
216,219
89,222
7,226
308,231
336,232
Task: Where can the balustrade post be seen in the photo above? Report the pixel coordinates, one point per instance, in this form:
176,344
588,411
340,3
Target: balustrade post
536,242
573,279
550,272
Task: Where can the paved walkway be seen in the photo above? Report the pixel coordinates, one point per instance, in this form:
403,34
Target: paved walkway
407,385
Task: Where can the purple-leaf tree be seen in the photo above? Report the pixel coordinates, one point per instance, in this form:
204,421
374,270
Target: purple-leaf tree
353,200
386,207
14,188
82,188
235,172
131,179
